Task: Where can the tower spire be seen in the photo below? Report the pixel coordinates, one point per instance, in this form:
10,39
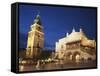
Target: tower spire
38,14
37,19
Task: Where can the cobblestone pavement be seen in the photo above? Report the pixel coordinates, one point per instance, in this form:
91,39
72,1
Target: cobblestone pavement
53,66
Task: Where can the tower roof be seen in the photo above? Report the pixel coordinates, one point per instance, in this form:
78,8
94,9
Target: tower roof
37,19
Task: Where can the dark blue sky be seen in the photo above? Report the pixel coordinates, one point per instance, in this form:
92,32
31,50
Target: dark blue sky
57,21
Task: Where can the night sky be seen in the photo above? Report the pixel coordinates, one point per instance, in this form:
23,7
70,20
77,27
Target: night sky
56,22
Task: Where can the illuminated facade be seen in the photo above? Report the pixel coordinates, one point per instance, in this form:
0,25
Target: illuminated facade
76,46
35,42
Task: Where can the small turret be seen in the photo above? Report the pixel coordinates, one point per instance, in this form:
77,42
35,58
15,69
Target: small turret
67,34
81,30
73,30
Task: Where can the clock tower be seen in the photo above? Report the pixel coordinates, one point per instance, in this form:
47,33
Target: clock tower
35,42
